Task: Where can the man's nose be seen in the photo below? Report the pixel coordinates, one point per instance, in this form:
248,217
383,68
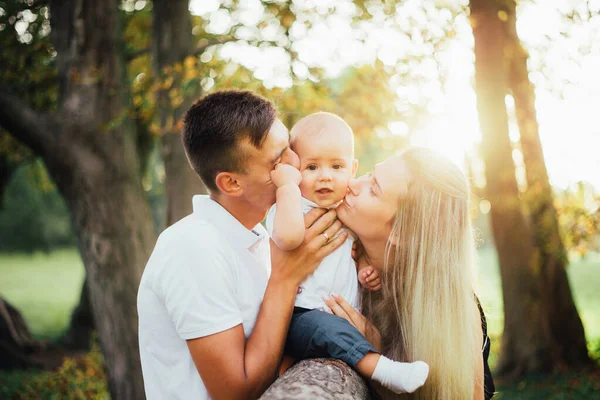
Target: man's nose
291,158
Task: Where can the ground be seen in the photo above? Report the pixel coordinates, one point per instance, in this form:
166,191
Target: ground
46,287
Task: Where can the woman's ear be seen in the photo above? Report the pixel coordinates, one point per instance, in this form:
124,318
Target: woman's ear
354,167
228,184
393,238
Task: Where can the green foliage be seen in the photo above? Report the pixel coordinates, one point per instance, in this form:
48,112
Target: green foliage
579,218
33,215
575,386
80,378
27,60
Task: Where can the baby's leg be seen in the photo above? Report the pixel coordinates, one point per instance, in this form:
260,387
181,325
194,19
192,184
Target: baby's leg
315,333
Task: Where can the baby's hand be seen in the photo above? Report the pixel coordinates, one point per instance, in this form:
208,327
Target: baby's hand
284,174
369,278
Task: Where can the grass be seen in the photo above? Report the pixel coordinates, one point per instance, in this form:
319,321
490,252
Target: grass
584,276
46,287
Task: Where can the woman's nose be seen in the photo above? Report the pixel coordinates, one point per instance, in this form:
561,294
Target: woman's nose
354,186
291,158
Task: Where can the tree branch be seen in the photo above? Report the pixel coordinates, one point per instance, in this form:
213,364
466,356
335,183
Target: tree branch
199,49
321,378
24,123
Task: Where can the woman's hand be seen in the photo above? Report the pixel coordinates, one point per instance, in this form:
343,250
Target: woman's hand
340,307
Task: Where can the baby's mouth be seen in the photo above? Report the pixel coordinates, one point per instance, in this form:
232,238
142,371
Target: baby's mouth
324,191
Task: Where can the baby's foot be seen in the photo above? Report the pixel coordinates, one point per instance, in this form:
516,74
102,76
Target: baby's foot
400,377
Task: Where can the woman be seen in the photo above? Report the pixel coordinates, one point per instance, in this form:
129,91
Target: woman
412,217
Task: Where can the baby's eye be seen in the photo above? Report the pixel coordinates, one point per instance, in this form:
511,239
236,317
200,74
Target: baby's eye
338,166
311,167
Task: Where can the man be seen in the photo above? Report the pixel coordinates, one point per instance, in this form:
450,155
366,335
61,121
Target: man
214,302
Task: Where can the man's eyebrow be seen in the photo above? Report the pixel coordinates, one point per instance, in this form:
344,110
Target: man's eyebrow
280,154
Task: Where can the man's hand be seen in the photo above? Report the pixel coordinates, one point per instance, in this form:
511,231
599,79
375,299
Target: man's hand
369,278
293,267
284,174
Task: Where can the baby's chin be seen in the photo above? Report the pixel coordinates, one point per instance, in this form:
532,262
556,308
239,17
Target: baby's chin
327,203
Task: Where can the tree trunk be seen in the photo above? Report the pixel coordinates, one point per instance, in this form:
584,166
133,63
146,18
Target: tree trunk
16,343
323,379
172,42
567,334
78,335
181,182
526,339
114,225
89,148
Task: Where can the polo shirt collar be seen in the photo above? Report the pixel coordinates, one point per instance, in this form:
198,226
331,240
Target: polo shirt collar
210,210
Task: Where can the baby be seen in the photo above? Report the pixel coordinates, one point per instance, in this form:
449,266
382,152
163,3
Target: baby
325,145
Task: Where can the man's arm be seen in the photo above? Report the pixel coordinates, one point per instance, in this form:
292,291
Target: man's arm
233,368
288,223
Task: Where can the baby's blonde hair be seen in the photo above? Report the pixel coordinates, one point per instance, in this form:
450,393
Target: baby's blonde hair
315,122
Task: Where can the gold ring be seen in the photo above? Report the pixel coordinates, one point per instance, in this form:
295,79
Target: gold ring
326,237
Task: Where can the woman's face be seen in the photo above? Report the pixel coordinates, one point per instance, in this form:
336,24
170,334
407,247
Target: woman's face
372,200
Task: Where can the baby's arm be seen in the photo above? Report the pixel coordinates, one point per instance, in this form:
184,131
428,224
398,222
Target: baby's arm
288,223
367,275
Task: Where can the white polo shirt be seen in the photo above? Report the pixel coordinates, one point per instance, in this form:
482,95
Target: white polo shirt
207,273
336,273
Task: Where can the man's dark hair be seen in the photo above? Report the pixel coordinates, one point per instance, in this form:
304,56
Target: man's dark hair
214,127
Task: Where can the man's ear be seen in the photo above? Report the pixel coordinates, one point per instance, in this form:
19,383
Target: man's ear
228,184
354,167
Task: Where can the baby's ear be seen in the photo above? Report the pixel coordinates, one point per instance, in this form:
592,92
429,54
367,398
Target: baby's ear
354,167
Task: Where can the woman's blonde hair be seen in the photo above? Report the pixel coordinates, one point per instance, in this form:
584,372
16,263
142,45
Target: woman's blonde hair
426,308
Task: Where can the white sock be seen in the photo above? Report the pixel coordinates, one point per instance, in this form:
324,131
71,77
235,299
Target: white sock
400,377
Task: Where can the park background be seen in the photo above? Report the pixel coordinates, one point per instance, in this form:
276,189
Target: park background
91,167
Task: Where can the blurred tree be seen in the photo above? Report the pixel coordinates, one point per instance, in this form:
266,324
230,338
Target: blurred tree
177,69
532,340
89,145
565,327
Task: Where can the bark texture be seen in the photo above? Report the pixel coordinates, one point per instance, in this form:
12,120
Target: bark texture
323,379
78,335
172,42
534,284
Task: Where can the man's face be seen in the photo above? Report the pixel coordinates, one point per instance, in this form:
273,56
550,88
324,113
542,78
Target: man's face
259,190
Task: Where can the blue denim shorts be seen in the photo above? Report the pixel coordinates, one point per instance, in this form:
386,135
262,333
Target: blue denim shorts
316,334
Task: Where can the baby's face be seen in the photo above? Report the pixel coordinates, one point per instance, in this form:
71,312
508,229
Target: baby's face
326,164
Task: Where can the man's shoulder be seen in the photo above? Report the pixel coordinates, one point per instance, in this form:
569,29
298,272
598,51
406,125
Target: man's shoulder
191,230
